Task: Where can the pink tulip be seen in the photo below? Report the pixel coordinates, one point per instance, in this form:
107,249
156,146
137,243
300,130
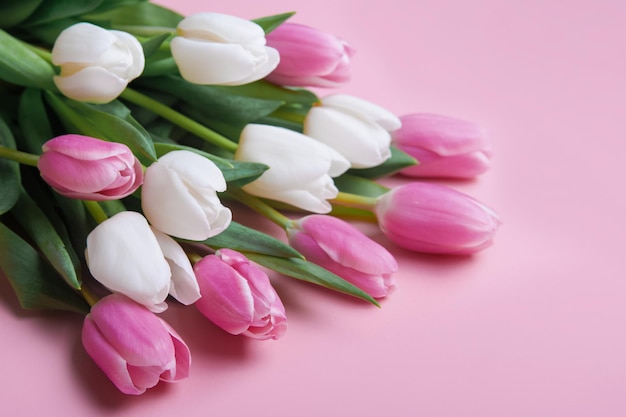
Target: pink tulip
445,147
342,249
238,297
133,347
432,218
309,57
89,169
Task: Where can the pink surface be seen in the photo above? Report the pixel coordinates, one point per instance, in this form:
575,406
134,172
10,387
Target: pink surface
531,327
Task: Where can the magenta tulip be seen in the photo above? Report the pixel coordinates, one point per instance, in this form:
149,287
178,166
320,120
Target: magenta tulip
133,347
445,147
432,218
309,57
344,250
238,296
86,168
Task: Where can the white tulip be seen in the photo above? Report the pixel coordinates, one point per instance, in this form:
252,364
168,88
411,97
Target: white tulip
183,286
179,196
219,49
123,255
96,64
300,168
356,128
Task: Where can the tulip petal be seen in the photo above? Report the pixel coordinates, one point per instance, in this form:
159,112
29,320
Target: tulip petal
81,43
91,84
219,27
363,109
184,286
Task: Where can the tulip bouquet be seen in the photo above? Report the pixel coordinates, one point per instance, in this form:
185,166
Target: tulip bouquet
126,133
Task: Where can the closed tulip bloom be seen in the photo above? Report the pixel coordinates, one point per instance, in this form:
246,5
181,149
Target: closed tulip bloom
89,169
300,169
445,147
238,296
219,49
124,255
132,346
344,250
179,196
357,129
96,64
432,218
309,57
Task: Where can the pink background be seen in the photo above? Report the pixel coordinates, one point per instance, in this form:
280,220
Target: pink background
533,326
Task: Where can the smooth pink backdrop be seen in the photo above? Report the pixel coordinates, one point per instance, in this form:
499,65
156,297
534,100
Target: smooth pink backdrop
531,327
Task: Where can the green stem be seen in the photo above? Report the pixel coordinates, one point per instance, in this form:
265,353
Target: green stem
89,296
179,119
354,201
19,156
96,211
262,208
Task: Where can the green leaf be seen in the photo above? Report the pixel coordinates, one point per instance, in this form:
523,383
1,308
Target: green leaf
111,121
138,16
33,121
15,12
9,171
395,163
218,103
20,65
359,186
269,23
51,10
244,239
236,173
292,97
36,284
151,46
37,226
108,5
309,272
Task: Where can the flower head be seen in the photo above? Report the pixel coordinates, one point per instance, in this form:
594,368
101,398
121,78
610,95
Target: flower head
219,49
89,169
356,128
300,169
179,196
96,64
445,147
238,297
125,255
309,57
432,218
134,348
344,250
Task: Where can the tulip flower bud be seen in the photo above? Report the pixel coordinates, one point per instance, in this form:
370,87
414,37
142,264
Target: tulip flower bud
432,218
179,196
132,346
96,64
300,169
89,169
219,49
126,256
356,128
444,146
309,57
238,297
344,250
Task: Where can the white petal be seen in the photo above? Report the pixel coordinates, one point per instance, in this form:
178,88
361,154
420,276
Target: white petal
184,286
123,255
92,84
363,108
81,43
195,169
219,27
134,50
268,65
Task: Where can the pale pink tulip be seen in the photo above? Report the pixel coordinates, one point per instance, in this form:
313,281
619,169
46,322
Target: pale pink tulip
432,218
309,57
86,168
238,296
344,250
445,147
133,347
